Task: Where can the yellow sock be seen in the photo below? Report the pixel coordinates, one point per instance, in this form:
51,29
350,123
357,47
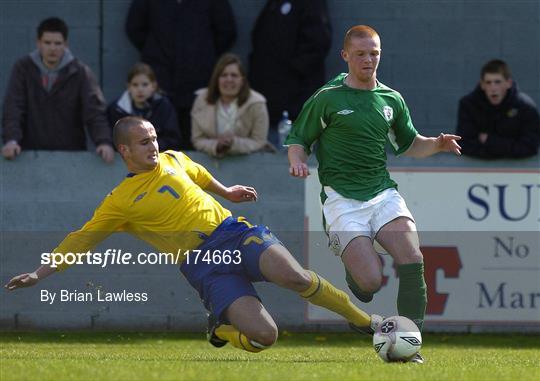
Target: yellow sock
237,339
323,293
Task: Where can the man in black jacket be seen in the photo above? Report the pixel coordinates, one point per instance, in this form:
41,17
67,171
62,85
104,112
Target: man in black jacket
181,41
51,97
497,120
291,39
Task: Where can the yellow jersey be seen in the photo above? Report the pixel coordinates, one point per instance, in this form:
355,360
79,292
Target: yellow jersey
166,207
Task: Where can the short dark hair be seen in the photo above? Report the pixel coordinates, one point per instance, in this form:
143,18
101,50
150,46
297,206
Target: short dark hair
213,87
496,67
121,128
52,24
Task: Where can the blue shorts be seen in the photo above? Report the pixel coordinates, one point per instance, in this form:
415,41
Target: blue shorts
220,284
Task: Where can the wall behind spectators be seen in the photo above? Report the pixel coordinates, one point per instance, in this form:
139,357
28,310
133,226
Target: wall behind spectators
45,195
432,50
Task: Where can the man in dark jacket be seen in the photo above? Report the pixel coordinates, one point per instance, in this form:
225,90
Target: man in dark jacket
291,39
50,98
497,120
181,41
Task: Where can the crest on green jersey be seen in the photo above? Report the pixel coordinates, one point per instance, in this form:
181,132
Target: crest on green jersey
388,113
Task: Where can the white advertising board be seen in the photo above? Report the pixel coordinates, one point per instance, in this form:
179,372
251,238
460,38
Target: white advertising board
480,237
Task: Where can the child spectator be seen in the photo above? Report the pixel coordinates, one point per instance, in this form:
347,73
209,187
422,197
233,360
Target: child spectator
181,40
143,98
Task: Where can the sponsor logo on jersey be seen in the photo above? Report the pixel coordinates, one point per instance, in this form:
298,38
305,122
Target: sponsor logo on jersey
139,197
388,113
345,112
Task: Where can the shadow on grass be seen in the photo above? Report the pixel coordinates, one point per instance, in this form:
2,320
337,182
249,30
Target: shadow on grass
288,339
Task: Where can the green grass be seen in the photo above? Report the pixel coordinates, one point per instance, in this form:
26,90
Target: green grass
339,357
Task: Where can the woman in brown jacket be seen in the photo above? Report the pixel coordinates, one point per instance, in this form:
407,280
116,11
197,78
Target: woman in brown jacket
228,117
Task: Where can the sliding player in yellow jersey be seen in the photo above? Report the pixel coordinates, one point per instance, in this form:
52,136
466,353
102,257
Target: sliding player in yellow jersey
164,201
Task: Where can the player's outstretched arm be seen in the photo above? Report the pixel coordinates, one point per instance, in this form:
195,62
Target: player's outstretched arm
297,161
29,279
424,147
235,193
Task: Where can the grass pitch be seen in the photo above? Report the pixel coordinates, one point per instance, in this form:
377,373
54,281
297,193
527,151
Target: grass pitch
340,357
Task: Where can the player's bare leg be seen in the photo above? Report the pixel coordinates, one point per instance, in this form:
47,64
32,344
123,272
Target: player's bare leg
363,267
251,327
400,239
279,266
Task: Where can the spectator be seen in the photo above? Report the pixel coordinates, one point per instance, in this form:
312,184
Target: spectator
51,96
497,120
181,40
291,39
228,117
143,98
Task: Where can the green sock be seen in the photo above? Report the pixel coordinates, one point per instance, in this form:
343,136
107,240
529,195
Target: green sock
412,295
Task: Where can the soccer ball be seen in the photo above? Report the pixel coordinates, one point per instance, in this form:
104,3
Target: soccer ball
397,339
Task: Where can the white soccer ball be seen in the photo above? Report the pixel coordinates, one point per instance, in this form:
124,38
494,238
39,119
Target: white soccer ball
397,339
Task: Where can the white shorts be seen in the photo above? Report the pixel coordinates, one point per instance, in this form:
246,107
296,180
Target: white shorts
347,218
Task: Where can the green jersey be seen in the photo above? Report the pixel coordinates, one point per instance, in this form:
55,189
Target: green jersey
352,127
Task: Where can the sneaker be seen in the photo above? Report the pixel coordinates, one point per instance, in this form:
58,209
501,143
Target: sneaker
213,323
376,321
417,358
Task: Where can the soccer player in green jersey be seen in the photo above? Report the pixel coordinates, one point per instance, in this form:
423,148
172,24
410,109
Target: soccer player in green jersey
352,118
